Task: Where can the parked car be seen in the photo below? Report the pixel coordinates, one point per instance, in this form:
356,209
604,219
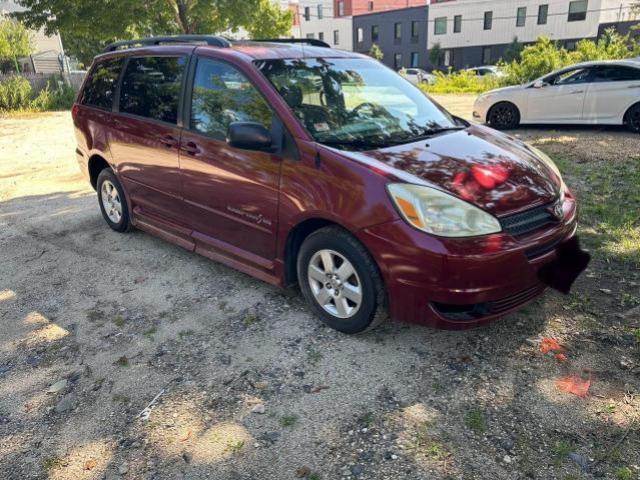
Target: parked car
322,168
486,70
604,92
418,76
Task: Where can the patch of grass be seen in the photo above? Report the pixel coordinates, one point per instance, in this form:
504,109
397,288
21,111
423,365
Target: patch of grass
249,319
366,419
636,333
119,321
288,420
151,332
560,451
119,398
475,421
235,447
424,443
182,334
313,356
313,476
611,207
95,315
53,462
624,473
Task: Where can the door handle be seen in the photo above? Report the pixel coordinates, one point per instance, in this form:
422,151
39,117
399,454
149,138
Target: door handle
168,141
575,92
190,148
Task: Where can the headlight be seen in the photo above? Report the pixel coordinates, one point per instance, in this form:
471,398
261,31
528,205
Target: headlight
439,213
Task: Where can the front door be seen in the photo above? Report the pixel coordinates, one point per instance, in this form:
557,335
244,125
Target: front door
231,195
561,99
145,139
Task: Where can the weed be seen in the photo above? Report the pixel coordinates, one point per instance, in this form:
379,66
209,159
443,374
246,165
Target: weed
560,451
123,361
636,333
624,473
95,314
182,334
119,321
119,398
288,420
313,476
313,356
151,332
235,447
54,462
475,421
249,319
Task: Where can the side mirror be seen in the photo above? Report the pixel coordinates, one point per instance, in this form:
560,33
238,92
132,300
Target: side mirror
539,84
249,136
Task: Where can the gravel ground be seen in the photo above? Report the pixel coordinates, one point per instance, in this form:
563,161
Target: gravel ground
245,383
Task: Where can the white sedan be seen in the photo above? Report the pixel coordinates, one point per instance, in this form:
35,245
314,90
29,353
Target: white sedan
604,92
418,76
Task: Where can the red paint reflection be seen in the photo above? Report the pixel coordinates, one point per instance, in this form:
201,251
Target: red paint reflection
479,177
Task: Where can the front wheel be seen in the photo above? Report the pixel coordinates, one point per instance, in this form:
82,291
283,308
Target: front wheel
340,281
503,116
633,118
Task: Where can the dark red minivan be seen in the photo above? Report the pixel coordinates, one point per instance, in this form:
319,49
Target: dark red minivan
297,163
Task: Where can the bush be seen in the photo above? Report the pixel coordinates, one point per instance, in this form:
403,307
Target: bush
57,95
461,82
15,94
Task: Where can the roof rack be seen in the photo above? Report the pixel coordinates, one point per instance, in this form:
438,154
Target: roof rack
212,40
309,41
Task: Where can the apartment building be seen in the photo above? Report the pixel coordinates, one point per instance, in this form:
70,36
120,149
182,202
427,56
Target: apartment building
398,27
478,32
400,34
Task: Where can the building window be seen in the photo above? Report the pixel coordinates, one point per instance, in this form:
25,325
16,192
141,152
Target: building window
321,36
309,35
457,24
341,8
577,11
440,26
370,6
486,55
307,13
488,20
543,11
397,61
397,31
320,12
415,29
415,59
375,33
521,17
570,45
336,37
360,35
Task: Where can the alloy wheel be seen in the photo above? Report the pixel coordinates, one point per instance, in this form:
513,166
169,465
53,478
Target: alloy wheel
334,283
111,201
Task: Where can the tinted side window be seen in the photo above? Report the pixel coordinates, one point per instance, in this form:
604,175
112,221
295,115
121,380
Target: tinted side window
151,87
617,74
222,95
579,75
100,88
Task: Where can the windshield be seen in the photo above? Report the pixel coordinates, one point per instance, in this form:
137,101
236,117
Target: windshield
355,104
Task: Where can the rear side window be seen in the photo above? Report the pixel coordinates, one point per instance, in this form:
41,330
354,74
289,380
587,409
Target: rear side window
615,73
221,95
151,87
99,91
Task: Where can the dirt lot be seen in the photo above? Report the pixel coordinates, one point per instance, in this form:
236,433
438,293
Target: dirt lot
96,325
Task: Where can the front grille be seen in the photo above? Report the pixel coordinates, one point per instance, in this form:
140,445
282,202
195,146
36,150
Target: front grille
477,311
529,220
542,249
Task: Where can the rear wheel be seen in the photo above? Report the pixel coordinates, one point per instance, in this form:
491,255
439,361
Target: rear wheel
340,281
633,118
112,201
503,116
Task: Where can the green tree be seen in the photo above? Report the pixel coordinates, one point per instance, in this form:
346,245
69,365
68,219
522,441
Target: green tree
15,41
436,54
513,50
89,24
376,52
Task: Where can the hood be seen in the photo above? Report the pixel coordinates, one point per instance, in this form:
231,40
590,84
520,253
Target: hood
502,90
486,168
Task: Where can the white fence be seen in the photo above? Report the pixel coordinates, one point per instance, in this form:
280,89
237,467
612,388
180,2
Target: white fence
39,81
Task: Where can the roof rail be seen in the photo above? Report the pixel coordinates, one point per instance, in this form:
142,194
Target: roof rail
212,40
309,41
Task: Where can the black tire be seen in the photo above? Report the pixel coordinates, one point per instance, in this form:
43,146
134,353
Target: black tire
503,116
372,310
632,118
124,224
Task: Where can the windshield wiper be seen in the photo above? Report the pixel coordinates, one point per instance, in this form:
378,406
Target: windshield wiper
357,143
430,132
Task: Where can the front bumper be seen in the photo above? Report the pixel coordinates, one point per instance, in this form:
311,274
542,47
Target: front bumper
433,280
